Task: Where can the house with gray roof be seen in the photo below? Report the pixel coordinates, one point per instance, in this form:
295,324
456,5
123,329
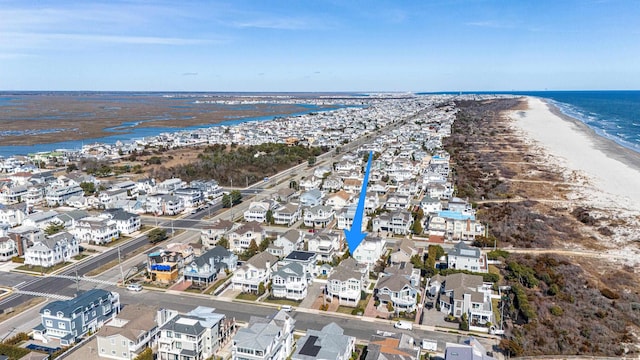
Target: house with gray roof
346,282
126,222
330,343
256,270
205,268
290,282
41,219
285,243
70,320
240,238
265,338
470,349
466,294
465,257
311,198
128,334
195,335
52,250
399,286
211,234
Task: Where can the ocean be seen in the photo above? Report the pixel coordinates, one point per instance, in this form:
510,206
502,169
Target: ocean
614,115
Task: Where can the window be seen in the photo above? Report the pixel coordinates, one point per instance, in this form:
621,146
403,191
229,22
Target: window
102,350
113,341
62,325
124,342
48,323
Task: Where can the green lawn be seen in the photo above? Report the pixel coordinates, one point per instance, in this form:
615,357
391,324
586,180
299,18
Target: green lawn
42,270
282,301
247,296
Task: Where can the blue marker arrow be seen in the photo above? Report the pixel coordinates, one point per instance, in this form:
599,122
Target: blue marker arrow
355,235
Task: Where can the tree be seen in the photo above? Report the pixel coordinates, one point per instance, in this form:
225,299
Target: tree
264,244
53,228
157,235
88,187
416,228
146,354
226,201
236,196
224,242
269,217
311,160
261,288
71,167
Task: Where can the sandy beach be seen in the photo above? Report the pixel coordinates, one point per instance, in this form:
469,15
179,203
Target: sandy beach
611,172
606,175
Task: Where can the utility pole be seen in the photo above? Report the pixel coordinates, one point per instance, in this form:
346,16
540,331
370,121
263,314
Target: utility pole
120,264
75,266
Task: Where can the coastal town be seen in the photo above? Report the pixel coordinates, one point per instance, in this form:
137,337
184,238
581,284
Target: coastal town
128,266
282,246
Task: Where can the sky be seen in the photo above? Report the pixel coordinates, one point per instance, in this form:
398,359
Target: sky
323,45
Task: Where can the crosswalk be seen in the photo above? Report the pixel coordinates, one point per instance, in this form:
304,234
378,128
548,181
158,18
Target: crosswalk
82,278
41,294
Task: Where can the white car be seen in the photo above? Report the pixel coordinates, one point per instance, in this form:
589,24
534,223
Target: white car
404,325
134,287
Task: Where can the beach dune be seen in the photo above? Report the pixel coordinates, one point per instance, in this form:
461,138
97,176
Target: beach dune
611,171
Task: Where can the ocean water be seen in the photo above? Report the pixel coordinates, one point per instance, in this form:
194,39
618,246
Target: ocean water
612,114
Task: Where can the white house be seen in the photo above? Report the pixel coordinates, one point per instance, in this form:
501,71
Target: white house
126,222
318,216
369,251
8,248
52,250
346,282
96,230
240,238
465,257
268,338
290,282
254,272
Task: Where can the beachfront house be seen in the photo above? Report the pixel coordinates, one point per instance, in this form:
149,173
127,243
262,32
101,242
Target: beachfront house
465,257
466,294
397,222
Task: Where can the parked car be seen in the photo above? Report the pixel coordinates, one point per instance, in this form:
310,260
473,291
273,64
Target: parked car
404,325
286,308
134,287
430,345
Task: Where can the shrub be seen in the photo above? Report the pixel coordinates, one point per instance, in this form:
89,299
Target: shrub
497,254
17,338
146,354
609,294
556,310
17,259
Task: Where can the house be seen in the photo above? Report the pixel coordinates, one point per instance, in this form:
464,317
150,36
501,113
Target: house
318,216
163,204
70,320
185,251
457,204
164,266
126,222
290,282
210,188
191,197
70,218
465,257
332,183
170,185
58,195
286,214
35,194
127,335
338,200
403,251
254,272
370,250
346,283
466,294
310,183
205,268
13,194
286,243
329,343
268,338
11,215
193,336
325,245
8,248
41,219
397,222
470,349
399,286
430,205
257,211
307,259
52,250
112,195
96,230
400,346
345,217
352,186
25,237
396,201
211,234
455,225
311,198
379,187
371,202
240,238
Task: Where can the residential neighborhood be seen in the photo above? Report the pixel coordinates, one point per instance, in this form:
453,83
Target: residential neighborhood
283,247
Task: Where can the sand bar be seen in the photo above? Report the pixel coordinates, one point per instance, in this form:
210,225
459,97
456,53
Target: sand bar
612,170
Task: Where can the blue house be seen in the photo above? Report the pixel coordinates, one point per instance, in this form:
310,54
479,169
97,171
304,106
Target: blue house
70,320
